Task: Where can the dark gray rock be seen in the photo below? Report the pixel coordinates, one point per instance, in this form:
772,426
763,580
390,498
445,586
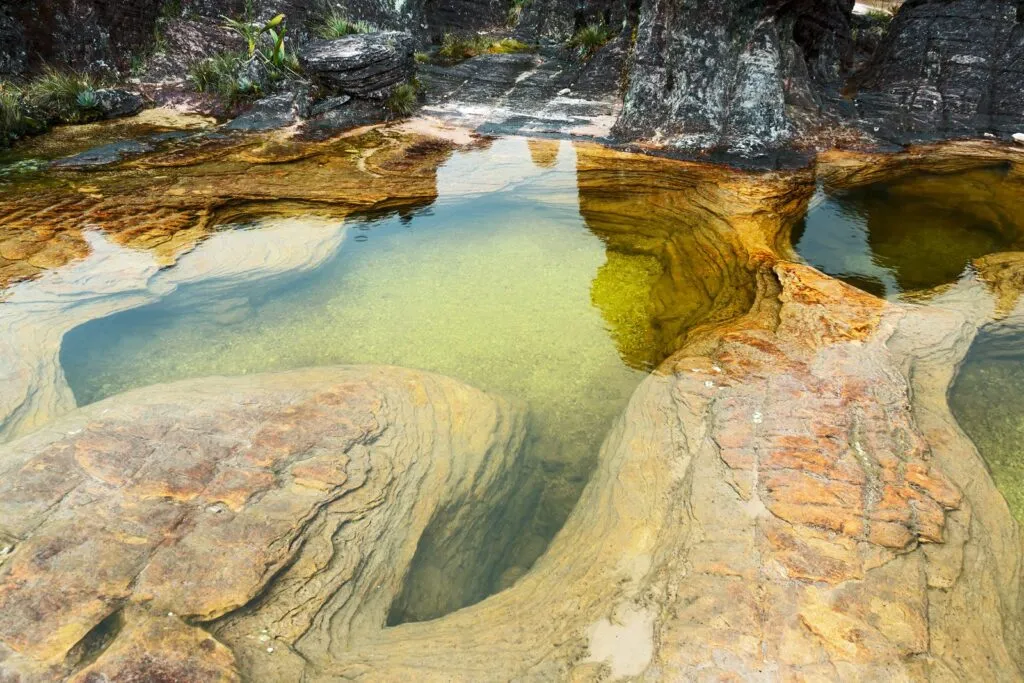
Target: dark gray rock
738,77
338,114
947,68
277,111
365,65
547,92
105,154
112,103
329,105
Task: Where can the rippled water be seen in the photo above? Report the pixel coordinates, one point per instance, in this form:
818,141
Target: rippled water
913,233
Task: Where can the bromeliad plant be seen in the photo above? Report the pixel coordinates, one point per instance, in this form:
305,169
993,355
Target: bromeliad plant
276,54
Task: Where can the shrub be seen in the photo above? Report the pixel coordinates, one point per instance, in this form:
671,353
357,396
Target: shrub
55,93
589,39
403,100
334,24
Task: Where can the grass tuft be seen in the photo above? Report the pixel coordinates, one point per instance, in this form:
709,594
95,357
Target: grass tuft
403,100
224,74
590,39
334,24
456,48
56,94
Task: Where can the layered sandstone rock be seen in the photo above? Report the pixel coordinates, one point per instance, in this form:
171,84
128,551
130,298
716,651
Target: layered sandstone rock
786,497
194,530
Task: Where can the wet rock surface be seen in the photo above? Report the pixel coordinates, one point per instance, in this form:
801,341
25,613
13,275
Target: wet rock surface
787,496
543,92
119,511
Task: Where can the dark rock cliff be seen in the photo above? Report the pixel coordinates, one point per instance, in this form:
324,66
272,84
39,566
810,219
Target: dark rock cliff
739,76
948,67
723,78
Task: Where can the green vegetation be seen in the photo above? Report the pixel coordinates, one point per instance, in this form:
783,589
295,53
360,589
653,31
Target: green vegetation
422,57
403,100
455,48
335,24
590,39
56,93
54,97
515,11
226,75
13,118
237,76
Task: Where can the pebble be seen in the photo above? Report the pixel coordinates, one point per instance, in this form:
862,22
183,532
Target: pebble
1018,138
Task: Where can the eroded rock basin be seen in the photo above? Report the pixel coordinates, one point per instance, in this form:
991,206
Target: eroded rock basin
399,407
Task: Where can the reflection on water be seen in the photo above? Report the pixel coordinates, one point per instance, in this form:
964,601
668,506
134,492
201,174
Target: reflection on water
988,402
913,233
491,285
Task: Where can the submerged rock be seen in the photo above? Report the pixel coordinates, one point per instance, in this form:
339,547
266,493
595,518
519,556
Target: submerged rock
364,65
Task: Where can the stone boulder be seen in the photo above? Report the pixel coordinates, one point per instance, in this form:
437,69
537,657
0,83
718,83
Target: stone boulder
947,68
367,65
113,103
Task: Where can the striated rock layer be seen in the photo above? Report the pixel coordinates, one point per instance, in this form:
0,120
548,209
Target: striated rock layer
948,68
300,497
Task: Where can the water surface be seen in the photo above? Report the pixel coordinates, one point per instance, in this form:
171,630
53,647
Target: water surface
912,233
491,285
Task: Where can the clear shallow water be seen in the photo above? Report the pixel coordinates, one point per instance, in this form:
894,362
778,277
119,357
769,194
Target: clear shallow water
911,234
987,399
491,285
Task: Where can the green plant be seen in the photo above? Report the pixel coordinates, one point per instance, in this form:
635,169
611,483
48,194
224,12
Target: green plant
403,100
589,39
252,33
87,100
224,74
515,11
507,46
422,57
56,94
13,119
334,24
455,48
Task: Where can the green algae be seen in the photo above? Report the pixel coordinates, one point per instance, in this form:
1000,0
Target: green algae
987,399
